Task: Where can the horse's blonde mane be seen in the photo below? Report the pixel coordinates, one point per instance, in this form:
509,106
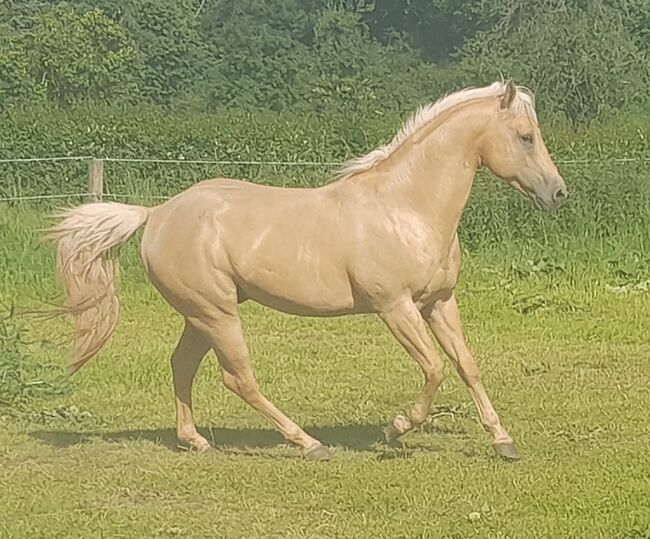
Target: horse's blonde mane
524,100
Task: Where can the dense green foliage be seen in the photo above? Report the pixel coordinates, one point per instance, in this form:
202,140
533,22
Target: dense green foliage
586,57
609,198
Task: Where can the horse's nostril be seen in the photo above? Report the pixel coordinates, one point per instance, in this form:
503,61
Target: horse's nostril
560,195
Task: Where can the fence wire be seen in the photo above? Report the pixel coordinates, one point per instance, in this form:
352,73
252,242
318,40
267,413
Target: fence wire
49,159
582,161
45,197
222,162
19,160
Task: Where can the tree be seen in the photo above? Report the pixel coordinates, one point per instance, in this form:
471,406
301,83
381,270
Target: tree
351,69
258,50
75,55
435,28
580,53
16,82
290,54
173,59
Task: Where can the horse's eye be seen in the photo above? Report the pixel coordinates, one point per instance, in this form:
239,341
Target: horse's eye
526,139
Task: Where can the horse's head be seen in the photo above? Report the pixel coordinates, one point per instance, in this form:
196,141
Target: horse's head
514,150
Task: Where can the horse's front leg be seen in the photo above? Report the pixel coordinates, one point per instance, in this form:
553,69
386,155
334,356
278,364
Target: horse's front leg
407,325
444,319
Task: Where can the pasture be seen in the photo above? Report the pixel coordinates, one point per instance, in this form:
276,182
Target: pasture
556,309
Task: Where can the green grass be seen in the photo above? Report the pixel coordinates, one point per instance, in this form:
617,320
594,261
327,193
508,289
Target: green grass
561,336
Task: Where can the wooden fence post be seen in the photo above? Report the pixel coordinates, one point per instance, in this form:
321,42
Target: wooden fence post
96,180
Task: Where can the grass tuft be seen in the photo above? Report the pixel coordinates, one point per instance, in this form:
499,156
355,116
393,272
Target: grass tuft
23,379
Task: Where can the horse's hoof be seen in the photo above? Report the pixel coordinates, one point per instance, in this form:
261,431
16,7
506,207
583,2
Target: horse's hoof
391,435
506,451
396,428
319,452
199,449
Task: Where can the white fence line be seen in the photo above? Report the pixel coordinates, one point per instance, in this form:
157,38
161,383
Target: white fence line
84,195
50,159
582,161
221,162
332,163
96,192
44,197
170,161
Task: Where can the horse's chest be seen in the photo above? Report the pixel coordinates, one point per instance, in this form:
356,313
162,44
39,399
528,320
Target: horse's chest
441,275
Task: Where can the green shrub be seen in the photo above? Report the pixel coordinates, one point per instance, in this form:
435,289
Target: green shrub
608,199
67,55
590,58
582,55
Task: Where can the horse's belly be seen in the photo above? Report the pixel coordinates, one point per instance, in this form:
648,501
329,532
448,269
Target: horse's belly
295,293
296,280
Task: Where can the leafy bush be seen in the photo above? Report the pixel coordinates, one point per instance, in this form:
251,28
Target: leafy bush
80,55
283,56
590,58
581,54
608,198
66,55
172,60
17,83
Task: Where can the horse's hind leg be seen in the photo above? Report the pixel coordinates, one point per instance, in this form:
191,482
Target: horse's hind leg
223,328
187,356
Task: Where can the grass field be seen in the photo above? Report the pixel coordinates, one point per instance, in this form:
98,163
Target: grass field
560,330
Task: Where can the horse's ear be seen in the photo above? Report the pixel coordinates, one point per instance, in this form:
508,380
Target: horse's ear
509,95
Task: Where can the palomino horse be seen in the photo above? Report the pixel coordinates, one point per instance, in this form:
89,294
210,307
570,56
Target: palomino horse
381,239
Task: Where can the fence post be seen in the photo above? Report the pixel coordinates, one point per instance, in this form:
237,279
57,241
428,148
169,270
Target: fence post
96,180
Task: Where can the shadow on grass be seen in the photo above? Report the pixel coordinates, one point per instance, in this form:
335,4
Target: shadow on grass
358,437
355,437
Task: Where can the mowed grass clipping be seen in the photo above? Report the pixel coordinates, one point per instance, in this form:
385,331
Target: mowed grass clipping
560,331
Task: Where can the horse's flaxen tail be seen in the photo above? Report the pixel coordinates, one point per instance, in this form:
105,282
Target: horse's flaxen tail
87,240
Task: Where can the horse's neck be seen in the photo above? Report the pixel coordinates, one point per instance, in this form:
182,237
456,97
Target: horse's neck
436,171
